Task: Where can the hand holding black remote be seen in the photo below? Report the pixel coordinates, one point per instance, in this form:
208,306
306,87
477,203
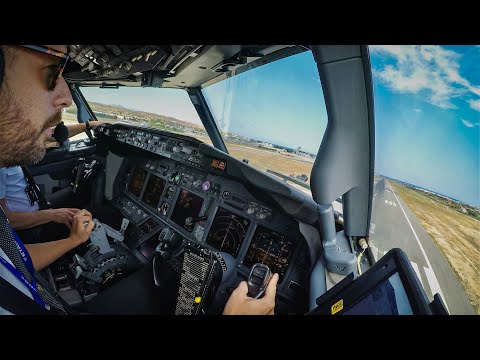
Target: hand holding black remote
258,280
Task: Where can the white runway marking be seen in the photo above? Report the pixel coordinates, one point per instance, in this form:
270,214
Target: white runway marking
417,271
434,285
424,255
389,202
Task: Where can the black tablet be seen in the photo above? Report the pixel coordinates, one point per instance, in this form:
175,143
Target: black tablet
389,287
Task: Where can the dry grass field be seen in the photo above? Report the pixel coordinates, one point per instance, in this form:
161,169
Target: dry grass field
456,235
265,159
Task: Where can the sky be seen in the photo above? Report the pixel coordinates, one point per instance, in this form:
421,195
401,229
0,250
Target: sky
427,111
427,117
281,103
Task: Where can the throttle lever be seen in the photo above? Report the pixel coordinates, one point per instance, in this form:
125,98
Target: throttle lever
258,280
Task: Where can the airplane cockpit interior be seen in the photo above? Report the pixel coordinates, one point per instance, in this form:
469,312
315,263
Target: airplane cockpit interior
180,220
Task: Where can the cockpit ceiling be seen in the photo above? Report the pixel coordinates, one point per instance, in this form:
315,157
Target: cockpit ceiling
173,66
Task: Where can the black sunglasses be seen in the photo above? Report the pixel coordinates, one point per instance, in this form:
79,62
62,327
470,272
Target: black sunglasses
56,70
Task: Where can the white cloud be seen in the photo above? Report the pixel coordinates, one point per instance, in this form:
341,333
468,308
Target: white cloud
470,124
474,104
429,69
417,110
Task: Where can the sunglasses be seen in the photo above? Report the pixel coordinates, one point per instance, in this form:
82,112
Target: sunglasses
55,70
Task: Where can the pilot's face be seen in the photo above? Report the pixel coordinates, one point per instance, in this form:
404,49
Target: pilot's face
27,107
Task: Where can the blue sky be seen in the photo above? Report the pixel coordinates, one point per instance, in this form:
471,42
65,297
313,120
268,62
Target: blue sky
427,111
280,103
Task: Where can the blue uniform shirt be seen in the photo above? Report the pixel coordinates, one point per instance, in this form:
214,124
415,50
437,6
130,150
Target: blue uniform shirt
12,189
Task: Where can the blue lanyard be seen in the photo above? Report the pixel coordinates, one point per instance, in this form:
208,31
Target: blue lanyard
29,265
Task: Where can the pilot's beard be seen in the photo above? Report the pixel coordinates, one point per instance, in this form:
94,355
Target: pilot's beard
20,144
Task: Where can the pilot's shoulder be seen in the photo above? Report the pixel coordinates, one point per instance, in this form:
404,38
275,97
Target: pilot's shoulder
12,170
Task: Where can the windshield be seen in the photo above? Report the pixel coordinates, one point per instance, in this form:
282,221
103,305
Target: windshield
165,109
427,183
273,117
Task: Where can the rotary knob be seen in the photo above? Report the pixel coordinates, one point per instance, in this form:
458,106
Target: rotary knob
206,185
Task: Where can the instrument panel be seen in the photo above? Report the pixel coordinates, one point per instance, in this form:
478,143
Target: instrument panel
193,201
175,186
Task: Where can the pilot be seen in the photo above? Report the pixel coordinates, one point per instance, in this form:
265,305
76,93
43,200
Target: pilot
32,96
27,209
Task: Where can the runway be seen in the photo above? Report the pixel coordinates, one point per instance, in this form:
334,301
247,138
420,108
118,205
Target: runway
394,225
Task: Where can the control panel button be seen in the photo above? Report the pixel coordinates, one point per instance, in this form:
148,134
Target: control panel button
206,185
226,195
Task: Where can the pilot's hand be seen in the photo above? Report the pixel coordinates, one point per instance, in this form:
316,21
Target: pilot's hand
63,215
241,304
94,124
82,226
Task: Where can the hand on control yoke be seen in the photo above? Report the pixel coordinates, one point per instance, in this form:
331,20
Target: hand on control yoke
240,303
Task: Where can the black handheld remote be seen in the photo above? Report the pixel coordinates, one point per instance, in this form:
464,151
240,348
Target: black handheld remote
258,280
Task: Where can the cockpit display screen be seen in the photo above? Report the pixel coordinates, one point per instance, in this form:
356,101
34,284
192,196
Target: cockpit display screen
228,231
154,190
187,209
137,181
270,248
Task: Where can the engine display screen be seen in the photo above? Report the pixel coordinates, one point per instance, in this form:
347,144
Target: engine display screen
154,190
270,248
187,209
148,226
137,181
228,231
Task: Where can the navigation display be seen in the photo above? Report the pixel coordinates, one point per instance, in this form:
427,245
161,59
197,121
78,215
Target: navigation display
137,181
228,231
187,208
154,190
270,248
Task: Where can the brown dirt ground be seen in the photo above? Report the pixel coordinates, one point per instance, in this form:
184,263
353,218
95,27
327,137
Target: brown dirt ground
265,159
457,236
